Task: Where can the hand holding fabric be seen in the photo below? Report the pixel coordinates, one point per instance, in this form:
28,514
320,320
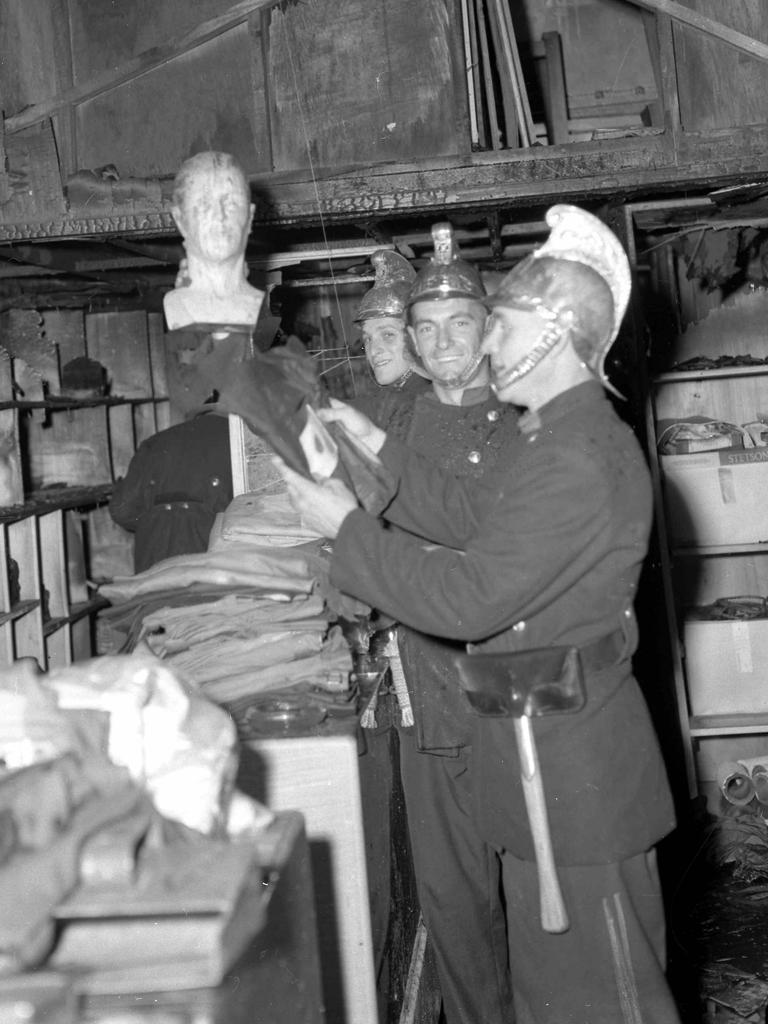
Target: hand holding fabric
323,507
356,423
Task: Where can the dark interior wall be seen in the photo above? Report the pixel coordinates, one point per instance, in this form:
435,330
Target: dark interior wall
297,84
205,99
35,52
366,81
208,97
719,86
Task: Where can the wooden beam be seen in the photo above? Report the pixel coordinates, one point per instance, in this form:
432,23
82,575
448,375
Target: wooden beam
490,86
661,44
704,24
138,65
555,93
649,162
512,127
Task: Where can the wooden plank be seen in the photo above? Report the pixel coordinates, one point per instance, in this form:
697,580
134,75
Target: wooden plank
488,79
53,563
631,166
477,83
512,127
658,32
719,88
474,131
33,167
64,123
527,133
556,97
11,478
71,451
205,99
338,103
118,340
258,30
66,329
139,65
283,774
707,25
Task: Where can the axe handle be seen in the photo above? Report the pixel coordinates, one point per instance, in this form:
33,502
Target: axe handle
554,917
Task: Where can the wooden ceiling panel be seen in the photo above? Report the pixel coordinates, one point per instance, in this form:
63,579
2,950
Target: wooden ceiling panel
106,35
365,81
720,87
208,98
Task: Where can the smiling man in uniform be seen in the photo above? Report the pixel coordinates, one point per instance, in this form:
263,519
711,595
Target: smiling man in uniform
547,552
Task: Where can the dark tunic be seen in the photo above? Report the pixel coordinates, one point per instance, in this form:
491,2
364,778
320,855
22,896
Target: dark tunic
390,401
547,552
465,440
177,481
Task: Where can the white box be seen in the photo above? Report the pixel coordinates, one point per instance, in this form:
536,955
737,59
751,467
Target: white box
717,498
727,666
319,776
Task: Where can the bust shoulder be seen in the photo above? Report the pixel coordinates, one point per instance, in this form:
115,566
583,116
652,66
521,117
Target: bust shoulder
190,305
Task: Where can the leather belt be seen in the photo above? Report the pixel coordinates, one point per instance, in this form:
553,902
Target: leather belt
608,650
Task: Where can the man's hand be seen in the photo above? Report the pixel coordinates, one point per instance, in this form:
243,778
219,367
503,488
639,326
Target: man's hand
323,507
356,423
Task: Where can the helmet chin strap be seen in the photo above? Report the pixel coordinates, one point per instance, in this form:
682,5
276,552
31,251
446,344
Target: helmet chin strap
467,375
551,335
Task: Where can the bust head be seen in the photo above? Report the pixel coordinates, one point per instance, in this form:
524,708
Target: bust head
213,210
212,207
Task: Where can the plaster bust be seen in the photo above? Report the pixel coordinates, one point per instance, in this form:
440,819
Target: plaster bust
213,211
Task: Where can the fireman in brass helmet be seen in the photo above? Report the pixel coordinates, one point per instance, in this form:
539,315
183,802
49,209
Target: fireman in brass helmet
459,425
548,554
381,315
445,319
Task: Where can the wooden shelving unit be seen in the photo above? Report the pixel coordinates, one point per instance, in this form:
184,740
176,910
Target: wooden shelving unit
57,540
711,542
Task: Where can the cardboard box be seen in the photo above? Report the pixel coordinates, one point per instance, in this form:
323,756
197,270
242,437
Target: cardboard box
727,666
717,498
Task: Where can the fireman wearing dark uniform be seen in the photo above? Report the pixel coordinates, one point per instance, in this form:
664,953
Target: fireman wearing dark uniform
547,553
177,481
460,425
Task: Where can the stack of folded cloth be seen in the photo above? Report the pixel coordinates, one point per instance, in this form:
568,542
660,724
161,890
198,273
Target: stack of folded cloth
251,615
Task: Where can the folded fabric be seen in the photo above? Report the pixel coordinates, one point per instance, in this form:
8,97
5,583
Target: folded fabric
287,570
256,518
221,659
333,662
172,629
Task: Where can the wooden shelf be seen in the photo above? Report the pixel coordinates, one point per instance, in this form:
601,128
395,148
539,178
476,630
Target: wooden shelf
728,725
40,502
713,550
19,610
77,612
679,376
56,404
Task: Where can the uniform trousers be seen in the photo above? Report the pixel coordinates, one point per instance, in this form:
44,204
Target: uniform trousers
608,968
458,879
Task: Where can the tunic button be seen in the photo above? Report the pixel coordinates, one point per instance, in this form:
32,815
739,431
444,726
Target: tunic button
493,415
215,481
519,627
474,457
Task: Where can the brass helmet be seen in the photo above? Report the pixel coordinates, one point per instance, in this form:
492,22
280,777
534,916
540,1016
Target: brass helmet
446,276
392,284
579,279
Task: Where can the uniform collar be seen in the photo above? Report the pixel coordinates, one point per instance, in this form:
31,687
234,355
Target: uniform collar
588,395
470,396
